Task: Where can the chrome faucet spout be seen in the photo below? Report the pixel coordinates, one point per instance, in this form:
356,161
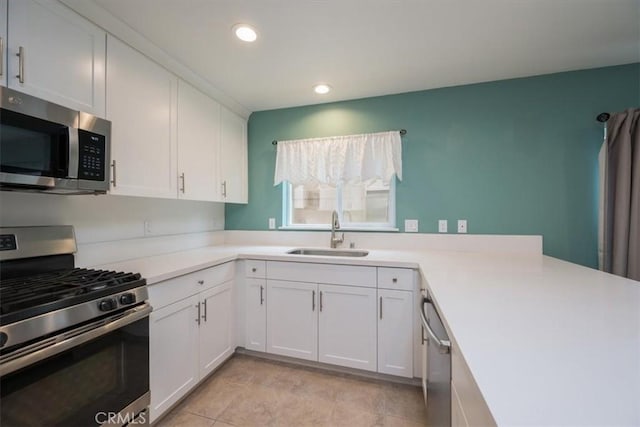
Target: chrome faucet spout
335,225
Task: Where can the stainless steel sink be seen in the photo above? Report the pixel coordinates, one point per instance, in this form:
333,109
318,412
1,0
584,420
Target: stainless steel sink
329,252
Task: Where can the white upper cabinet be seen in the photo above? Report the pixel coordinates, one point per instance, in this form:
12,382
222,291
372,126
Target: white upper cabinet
233,157
141,104
55,54
198,144
3,42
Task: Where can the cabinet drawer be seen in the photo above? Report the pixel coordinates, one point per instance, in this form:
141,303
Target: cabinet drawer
322,273
255,268
395,278
172,290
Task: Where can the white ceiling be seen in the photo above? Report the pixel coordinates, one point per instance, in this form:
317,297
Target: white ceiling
374,47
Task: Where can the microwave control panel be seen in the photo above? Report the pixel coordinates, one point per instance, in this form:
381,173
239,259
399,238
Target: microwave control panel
91,161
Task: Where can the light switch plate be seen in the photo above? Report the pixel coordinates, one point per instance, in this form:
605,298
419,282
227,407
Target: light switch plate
272,223
462,226
442,226
410,225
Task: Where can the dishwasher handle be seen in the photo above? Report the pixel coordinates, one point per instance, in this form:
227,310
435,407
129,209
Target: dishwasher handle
443,345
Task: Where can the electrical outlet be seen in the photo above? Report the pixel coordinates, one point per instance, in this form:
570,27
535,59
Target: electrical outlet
410,225
462,226
272,223
147,228
442,226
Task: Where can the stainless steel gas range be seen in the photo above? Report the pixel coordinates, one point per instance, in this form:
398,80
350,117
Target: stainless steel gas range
74,342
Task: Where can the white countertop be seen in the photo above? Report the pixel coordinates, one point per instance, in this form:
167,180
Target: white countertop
548,342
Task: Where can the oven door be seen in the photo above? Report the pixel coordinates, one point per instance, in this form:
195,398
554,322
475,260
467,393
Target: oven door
92,378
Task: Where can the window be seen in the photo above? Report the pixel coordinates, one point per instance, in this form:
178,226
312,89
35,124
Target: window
369,206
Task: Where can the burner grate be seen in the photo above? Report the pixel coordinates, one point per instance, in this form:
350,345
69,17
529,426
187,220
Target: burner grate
31,291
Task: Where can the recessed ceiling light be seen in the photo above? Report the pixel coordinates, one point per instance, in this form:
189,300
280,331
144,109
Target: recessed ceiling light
245,32
321,88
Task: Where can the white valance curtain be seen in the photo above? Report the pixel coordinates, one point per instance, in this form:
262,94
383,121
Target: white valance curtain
339,159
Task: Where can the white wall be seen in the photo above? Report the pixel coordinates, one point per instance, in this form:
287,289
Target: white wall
109,218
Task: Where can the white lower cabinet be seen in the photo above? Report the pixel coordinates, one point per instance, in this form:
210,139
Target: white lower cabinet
359,317
347,326
216,327
191,332
395,332
256,314
173,368
292,320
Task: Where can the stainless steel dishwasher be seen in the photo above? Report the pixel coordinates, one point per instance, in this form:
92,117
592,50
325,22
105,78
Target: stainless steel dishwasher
436,376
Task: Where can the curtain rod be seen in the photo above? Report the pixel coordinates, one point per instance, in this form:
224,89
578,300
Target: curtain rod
603,117
402,132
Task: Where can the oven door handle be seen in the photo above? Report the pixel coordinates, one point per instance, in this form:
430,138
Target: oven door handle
74,338
443,345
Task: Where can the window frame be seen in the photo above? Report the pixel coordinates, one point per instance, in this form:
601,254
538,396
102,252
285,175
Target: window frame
287,213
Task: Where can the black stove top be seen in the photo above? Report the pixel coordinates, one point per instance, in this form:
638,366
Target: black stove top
31,295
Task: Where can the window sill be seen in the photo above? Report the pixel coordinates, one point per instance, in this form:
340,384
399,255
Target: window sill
341,229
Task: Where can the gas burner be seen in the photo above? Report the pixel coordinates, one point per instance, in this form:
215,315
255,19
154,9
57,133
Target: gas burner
28,296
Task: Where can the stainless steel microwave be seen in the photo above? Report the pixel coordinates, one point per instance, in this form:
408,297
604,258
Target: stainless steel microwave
49,148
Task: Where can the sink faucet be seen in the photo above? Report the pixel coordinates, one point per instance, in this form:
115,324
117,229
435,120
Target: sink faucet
335,225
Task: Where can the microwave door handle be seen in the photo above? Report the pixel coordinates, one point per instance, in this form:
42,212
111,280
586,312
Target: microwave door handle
74,153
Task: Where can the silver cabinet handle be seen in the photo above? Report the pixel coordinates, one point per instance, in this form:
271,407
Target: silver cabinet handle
1,56
198,318
20,56
444,345
204,303
261,294
113,175
313,300
320,300
200,282
380,307
182,180
224,188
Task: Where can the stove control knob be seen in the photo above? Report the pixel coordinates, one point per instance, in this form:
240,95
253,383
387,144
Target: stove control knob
3,339
107,304
126,299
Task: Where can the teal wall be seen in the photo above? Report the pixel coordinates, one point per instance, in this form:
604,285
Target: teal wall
512,157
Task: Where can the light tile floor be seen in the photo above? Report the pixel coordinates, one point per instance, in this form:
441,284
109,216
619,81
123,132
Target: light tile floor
249,391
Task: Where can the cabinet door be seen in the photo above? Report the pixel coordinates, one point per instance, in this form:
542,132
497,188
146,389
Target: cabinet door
292,320
173,344
198,144
141,101
63,55
216,327
233,157
347,326
395,332
256,314
3,42
458,419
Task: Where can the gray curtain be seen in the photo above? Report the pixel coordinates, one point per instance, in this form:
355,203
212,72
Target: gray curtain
622,195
